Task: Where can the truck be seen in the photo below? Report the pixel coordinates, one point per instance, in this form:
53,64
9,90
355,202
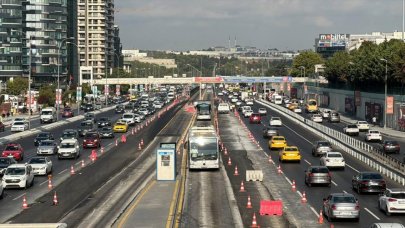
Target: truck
48,115
244,95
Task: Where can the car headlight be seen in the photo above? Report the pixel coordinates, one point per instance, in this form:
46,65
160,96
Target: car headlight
42,168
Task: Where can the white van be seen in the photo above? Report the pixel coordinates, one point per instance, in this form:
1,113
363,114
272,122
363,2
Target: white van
278,100
18,176
48,115
170,95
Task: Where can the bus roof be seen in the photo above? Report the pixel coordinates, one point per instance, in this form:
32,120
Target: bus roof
207,131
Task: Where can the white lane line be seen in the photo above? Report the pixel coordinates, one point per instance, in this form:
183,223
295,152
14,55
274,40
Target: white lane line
344,191
288,180
62,171
78,162
16,198
309,163
313,210
299,193
298,134
371,213
334,183
44,182
352,168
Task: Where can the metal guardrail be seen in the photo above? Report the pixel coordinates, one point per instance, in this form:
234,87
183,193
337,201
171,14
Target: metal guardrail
388,166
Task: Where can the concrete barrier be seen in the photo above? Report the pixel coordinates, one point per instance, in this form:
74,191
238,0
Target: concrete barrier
254,175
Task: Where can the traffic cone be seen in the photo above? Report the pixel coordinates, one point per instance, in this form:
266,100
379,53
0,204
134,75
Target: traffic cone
132,131
24,205
229,161
82,163
141,142
242,187
225,152
72,170
123,138
320,219
236,173
249,203
93,155
55,199
102,150
293,186
50,186
279,169
116,142
270,160
139,146
254,221
303,198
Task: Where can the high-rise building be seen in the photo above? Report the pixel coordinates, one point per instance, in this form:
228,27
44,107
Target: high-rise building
96,35
72,46
118,60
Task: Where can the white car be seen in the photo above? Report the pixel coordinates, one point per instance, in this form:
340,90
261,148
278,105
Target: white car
234,99
230,96
246,108
41,165
220,93
239,102
20,119
18,176
129,118
363,125
157,104
373,135
144,111
297,110
325,113
19,126
351,129
392,201
262,111
333,160
248,113
69,148
275,121
287,104
137,118
316,118
249,102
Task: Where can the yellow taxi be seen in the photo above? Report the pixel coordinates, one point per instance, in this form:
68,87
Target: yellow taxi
293,105
277,142
120,126
289,153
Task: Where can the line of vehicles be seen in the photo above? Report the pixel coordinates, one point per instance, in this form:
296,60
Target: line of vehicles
336,205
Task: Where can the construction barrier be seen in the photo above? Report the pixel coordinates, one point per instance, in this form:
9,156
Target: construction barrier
254,175
268,207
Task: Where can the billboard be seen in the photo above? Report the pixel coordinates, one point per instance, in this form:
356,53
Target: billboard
333,40
390,105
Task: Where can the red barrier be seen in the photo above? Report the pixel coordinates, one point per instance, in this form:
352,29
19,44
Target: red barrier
268,207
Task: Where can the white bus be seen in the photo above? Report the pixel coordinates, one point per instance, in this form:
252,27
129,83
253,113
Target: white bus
203,148
203,110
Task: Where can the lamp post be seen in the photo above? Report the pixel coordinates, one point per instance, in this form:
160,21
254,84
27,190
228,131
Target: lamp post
78,65
59,92
29,85
385,92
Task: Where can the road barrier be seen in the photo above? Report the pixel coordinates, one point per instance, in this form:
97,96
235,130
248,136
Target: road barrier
254,175
388,166
268,207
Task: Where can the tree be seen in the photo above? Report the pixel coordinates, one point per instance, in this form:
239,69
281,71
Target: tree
47,95
18,86
308,60
337,68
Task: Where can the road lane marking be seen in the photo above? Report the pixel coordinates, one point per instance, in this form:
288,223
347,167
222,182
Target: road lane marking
78,162
344,191
309,163
313,210
334,183
299,193
16,198
352,168
288,180
371,213
43,182
62,171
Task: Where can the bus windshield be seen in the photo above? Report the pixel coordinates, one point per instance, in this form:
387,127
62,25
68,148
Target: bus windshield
204,149
204,109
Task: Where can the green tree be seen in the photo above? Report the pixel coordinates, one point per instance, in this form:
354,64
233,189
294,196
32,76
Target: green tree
306,60
47,95
18,86
337,68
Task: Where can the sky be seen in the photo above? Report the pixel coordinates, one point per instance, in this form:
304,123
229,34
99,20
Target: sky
283,24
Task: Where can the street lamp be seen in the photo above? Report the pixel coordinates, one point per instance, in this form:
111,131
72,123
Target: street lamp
78,61
29,84
59,92
385,92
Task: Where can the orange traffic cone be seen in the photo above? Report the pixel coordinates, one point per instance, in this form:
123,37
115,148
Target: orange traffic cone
102,150
116,142
72,170
141,142
229,161
93,155
304,198
225,152
25,204
82,163
123,138
133,131
55,199
50,186
293,187
320,219
249,203
139,146
242,187
236,173
254,221
270,160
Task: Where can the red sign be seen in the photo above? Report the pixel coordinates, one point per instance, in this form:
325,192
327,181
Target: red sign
288,86
208,79
390,105
58,94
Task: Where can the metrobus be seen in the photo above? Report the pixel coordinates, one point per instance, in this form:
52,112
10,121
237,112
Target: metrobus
203,110
311,106
203,148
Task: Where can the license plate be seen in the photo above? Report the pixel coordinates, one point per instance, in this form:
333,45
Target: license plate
345,213
66,154
89,144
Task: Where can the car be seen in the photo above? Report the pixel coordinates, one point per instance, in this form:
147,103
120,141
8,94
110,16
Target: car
6,162
275,122
298,109
246,108
103,122
277,142
386,225
289,153
334,117
220,93
318,175
247,113
320,148
238,103
333,160
230,96
368,182
269,132
120,126
325,113
129,118
262,111
389,146
317,118
392,201
19,126
67,112
91,140
255,118
223,108
143,111
48,147
341,206
69,148
292,106
90,117
373,135
85,126
151,110
2,127
119,109
20,119
14,150
351,129
249,102
138,118
41,165
234,99
98,105
158,104
107,132
88,107
18,176
43,136
363,125
69,134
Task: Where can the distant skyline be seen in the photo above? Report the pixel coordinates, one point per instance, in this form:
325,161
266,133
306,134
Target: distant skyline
283,24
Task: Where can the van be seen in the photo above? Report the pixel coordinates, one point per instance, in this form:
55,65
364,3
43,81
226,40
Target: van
311,106
48,115
18,176
278,100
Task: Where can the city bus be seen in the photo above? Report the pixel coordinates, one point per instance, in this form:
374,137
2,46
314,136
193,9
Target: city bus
311,106
203,148
203,110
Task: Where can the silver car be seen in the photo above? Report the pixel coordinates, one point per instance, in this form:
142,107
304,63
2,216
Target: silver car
320,148
341,206
47,147
334,117
318,175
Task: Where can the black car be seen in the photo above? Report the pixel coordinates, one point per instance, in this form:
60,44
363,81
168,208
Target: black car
151,110
119,109
389,146
43,136
88,107
103,122
106,132
84,127
4,163
82,106
368,182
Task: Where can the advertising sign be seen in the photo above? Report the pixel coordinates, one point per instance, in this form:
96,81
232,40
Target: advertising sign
78,93
208,79
357,98
333,40
390,105
106,89
166,164
58,99
117,90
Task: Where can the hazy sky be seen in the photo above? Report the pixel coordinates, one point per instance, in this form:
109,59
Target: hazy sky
282,24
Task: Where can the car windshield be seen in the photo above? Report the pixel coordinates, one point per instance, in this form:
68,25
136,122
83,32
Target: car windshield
400,195
67,110
91,136
19,123
127,116
43,135
323,144
15,171
391,142
374,132
334,155
46,143
46,113
5,161
19,119
312,102
103,119
362,122
37,161
85,124
344,199
352,126
291,149
119,123
320,170
12,148
278,138
67,145
106,129
374,176
275,118
68,135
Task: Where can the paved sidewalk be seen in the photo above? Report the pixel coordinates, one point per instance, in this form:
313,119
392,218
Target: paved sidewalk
8,120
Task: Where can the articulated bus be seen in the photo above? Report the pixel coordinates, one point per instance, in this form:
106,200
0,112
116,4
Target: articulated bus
203,110
203,148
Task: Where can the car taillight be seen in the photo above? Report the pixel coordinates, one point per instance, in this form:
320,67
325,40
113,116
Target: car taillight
4,154
311,174
357,207
329,174
392,200
363,182
333,207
